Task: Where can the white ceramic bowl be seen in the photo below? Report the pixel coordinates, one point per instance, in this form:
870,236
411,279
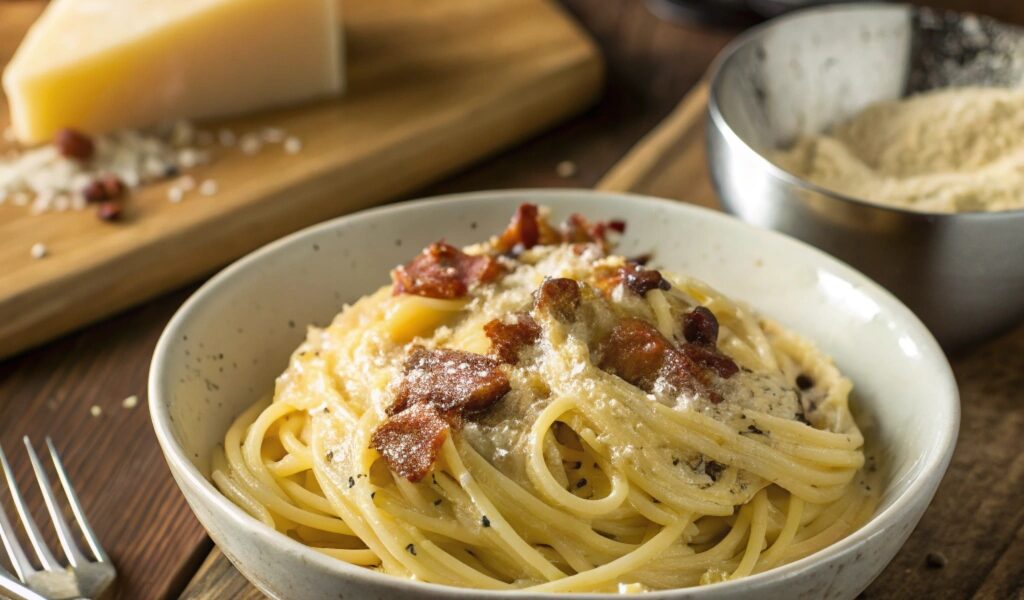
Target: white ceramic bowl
225,346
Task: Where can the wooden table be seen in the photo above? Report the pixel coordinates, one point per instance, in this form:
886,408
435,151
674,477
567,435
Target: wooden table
976,520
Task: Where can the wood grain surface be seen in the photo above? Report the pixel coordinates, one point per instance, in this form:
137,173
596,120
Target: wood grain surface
431,87
976,521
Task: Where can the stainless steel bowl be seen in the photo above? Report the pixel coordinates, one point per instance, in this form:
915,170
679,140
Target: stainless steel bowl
963,274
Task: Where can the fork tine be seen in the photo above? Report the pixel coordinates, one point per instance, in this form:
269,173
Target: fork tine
60,524
76,506
22,566
46,558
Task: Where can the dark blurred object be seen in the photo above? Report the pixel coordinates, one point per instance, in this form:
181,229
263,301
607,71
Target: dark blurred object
719,13
727,12
771,8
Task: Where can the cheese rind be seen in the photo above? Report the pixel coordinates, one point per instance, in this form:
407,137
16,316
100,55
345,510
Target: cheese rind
80,67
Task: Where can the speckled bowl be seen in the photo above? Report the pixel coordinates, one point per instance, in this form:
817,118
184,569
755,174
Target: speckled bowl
225,346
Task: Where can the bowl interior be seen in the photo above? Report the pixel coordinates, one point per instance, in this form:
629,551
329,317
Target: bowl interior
225,347
802,73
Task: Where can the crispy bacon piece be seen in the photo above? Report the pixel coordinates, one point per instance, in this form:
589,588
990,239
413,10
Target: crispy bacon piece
526,230
560,296
450,380
578,230
439,387
444,271
700,326
637,352
507,339
640,280
637,279
709,357
410,440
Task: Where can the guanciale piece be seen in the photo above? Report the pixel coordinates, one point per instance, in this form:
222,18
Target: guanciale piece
444,271
438,387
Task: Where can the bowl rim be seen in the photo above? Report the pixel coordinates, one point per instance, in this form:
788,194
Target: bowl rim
937,453
721,123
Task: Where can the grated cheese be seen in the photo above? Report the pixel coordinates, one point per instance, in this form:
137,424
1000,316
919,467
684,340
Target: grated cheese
42,180
208,187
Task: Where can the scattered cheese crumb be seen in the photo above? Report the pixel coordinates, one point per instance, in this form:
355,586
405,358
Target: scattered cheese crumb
182,133
566,169
130,402
39,250
154,167
273,135
42,203
43,180
95,410
293,145
175,194
226,137
208,187
250,143
186,183
188,158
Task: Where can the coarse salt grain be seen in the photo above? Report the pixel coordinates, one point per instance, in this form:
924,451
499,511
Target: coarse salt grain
175,194
42,203
43,181
39,250
186,183
226,137
293,145
566,169
273,135
208,187
130,402
154,167
96,410
182,133
250,143
188,158
131,179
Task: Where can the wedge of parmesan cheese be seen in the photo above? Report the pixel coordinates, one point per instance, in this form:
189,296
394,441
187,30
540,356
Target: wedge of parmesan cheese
101,65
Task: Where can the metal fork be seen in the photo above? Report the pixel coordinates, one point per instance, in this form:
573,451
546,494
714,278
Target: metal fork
84,577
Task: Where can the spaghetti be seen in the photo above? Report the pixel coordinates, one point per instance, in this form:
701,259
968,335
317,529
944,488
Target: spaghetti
628,430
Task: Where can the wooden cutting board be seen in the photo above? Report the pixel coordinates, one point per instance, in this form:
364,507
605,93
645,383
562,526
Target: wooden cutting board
432,86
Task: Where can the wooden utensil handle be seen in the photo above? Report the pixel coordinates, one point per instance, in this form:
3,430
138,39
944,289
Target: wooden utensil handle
653,154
